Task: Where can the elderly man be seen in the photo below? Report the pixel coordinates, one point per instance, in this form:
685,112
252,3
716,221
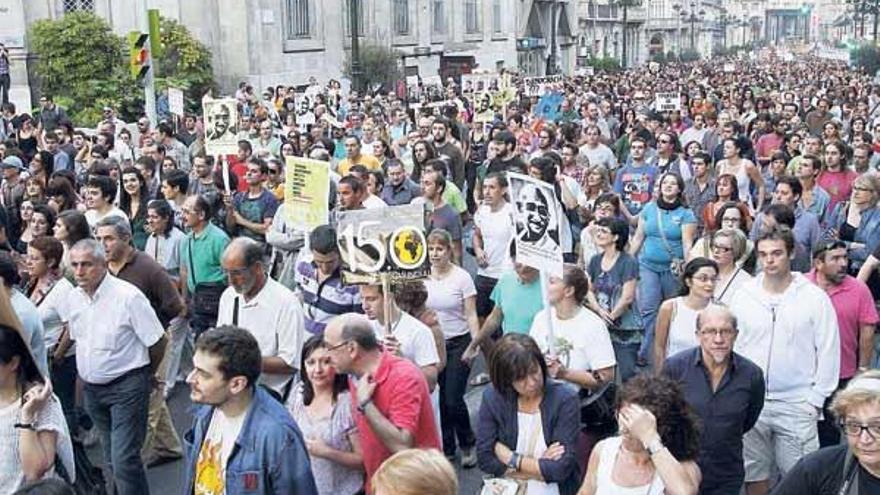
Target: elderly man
727,392
264,307
120,343
390,394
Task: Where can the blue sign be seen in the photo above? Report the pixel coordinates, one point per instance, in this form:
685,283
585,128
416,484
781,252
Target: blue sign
549,106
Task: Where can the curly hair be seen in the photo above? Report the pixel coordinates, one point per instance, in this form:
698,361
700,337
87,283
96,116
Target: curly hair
677,424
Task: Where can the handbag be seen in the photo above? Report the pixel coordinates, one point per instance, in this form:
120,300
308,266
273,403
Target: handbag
89,479
598,414
676,266
507,486
205,301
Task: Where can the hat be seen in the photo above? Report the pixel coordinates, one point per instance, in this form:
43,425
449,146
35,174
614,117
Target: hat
12,162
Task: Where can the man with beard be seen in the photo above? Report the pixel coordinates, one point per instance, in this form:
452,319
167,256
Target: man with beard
441,130
266,309
856,319
506,157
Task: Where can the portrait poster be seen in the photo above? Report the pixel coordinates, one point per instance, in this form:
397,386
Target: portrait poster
538,223
306,192
221,126
484,107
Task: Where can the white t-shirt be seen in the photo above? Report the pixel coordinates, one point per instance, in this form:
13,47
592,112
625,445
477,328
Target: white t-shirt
585,335
415,338
374,202
93,217
48,310
497,229
51,418
210,477
446,296
527,426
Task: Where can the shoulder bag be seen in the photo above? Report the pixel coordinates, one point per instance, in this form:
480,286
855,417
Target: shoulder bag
676,266
205,301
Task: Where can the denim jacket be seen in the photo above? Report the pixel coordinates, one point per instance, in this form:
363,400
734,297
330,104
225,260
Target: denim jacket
868,233
269,455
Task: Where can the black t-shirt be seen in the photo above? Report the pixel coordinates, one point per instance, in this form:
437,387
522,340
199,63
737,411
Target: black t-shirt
821,473
515,164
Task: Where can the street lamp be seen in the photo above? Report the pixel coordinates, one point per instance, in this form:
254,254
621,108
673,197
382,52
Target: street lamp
691,16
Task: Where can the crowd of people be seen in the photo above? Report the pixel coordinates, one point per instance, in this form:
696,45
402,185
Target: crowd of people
711,329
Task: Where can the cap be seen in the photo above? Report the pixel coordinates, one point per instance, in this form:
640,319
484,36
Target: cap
12,162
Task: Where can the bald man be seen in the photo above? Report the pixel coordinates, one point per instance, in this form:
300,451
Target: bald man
265,308
390,394
727,392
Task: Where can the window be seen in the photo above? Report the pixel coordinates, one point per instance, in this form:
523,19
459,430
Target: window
79,5
496,16
439,16
401,17
298,19
359,7
471,16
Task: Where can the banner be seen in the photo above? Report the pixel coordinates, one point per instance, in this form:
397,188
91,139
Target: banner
377,241
667,102
221,126
306,192
539,86
538,220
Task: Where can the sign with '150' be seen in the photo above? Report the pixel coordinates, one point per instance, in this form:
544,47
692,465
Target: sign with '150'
378,241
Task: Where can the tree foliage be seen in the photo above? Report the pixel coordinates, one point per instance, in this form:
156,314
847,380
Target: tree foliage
866,57
605,63
379,66
85,66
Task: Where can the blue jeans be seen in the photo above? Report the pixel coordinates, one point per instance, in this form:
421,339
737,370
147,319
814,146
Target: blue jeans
119,410
626,355
654,288
455,421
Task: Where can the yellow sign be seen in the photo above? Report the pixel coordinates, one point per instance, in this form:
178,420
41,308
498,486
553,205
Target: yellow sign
307,192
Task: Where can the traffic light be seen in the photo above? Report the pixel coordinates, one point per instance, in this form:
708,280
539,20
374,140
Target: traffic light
139,54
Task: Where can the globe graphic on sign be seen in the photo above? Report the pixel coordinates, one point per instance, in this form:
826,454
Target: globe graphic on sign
409,247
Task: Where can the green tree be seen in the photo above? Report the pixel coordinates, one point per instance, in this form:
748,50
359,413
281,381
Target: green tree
85,66
183,63
379,65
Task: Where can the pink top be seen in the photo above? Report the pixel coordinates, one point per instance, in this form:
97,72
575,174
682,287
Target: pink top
838,184
854,306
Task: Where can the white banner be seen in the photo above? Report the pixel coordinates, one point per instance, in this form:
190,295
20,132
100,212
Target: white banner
538,223
175,101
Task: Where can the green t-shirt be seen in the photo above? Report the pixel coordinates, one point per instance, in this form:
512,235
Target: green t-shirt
207,250
453,197
519,303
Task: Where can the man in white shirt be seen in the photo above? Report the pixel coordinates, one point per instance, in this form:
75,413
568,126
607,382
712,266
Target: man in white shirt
265,308
120,343
100,192
596,152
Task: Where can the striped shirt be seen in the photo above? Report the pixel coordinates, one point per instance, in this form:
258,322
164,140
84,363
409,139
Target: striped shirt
323,301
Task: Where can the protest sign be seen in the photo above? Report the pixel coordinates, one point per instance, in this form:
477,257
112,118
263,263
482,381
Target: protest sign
484,107
667,102
538,223
221,126
728,67
549,106
379,242
175,101
539,86
306,192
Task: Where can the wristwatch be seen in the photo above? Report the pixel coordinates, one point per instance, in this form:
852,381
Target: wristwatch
655,446
513,463
363,406
24,426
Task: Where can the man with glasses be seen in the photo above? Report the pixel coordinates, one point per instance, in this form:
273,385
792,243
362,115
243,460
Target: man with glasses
265,308
726,391
787,327
275,178
856,319
319,282
392,405
249,213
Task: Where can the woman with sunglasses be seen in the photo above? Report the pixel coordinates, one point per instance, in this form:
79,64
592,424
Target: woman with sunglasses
857,221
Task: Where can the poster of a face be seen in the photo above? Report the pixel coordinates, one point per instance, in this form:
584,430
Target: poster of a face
537,223
221,126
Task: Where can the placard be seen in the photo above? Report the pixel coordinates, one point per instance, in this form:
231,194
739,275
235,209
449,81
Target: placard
538,223
667,102
175,101
376,241
307,192
221,126
539,86
729,67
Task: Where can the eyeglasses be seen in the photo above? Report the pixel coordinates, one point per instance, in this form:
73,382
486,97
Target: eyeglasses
331,348
723,249
272,171
862,189
856,429
717,332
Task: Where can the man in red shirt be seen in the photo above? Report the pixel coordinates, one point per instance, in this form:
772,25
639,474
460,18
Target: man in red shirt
392,406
